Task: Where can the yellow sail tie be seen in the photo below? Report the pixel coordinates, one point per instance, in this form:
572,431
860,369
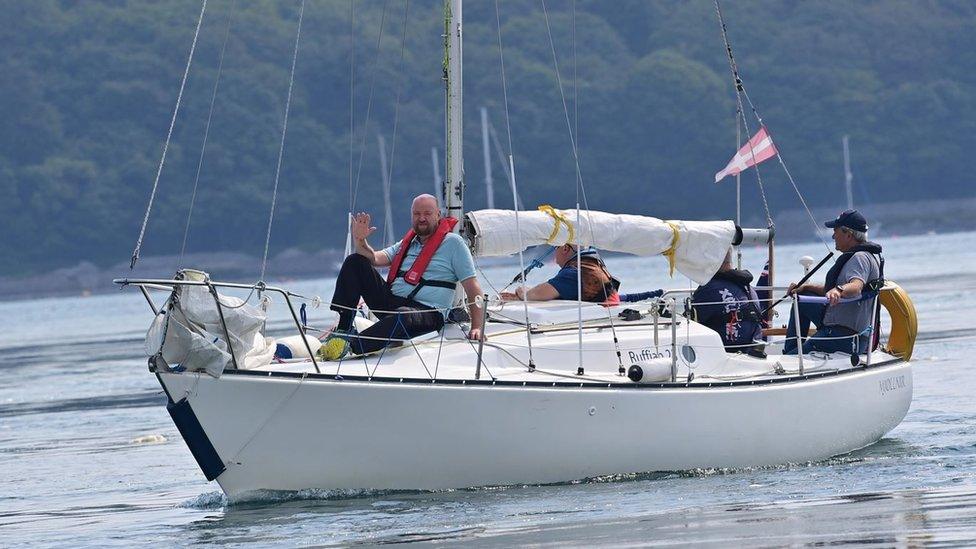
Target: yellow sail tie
669,253
558,218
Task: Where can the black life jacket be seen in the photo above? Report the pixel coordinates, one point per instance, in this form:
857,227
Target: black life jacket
872,248
742,279
746,318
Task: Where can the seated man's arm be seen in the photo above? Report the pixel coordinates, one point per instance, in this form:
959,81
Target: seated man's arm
472,290
463,266
539,292
806,289
381,259
850,289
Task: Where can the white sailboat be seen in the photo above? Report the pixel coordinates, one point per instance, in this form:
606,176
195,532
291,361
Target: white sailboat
556,391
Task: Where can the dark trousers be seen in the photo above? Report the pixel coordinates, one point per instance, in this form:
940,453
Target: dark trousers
400,318
814,312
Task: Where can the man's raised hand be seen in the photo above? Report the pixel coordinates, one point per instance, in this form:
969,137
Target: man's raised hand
360,227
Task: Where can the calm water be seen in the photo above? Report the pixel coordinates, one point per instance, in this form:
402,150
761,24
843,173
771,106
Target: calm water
88,453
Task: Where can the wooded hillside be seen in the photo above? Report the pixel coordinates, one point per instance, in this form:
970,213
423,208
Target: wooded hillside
88,90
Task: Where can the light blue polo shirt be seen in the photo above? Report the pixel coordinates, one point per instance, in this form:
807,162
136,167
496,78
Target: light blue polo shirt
451,262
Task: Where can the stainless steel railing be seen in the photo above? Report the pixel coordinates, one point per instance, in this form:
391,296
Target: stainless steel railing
144,284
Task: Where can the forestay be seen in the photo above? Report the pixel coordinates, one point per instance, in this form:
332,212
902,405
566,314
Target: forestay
696,248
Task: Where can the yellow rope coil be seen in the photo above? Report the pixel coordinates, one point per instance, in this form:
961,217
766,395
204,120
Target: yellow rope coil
669,253
558,218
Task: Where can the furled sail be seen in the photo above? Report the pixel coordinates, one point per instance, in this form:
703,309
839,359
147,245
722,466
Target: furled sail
695,248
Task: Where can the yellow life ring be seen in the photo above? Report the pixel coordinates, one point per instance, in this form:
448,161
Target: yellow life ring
904,320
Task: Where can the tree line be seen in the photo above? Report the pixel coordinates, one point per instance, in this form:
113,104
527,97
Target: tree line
88,90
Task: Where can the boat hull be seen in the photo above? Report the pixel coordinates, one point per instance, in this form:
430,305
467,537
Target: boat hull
315,432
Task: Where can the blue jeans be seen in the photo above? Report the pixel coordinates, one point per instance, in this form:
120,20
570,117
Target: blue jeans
814,312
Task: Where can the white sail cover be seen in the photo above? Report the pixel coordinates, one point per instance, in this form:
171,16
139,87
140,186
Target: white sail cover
189,332
698,250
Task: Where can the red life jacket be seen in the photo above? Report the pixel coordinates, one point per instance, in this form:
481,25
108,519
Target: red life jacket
414,275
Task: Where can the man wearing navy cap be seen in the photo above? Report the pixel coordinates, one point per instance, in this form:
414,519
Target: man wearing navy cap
859,268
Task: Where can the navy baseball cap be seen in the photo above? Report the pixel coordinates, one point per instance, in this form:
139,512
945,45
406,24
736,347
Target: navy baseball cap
852,219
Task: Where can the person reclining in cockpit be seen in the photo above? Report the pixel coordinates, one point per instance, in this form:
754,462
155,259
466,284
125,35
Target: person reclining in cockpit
598,286
729,305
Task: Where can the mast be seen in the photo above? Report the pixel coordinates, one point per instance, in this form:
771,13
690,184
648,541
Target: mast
848,176
454,183
486,150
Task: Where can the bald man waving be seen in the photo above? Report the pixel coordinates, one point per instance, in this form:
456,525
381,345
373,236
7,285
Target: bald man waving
418,292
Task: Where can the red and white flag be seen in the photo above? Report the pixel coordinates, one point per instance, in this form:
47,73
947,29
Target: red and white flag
758,149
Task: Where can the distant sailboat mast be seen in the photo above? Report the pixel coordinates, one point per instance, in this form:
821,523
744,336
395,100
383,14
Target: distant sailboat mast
848,176
388,237
438,182
486,149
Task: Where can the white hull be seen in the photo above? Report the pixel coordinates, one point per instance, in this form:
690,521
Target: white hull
280,432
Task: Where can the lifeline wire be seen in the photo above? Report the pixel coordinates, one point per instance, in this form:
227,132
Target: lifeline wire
169,135
281,147
206,131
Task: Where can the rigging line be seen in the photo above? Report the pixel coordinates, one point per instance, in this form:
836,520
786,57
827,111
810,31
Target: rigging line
206,131
508,118
575,89
613,329
521,254
396,105
789,176
352,95
440,346
169,135
739,87
511,179
369,106
816,225
519,203
281,403
573,136
281,147
485,277
569,125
